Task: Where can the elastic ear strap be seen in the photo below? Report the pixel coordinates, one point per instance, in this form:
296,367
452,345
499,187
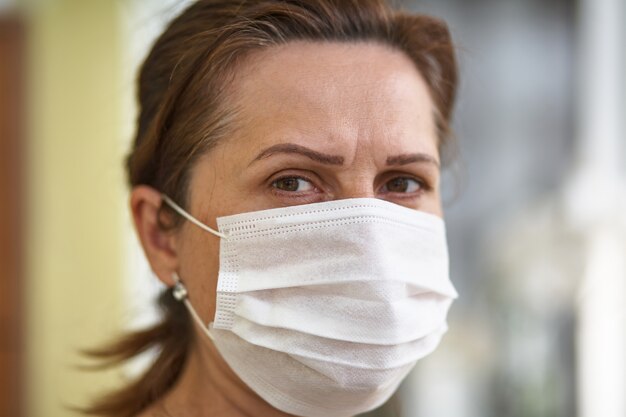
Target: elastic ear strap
178,209
180,293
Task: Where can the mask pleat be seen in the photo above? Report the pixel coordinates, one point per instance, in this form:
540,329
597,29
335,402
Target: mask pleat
338,352
344,318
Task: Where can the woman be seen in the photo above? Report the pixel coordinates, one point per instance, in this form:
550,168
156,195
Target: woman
285,188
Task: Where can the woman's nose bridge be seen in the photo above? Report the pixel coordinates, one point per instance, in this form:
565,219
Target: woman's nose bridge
357,194
357,187
358,178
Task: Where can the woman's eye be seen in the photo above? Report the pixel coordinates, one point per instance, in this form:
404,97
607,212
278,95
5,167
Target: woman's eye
293,184
402,185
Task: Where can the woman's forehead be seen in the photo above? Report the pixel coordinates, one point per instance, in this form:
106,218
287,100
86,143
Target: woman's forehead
310,73
334,92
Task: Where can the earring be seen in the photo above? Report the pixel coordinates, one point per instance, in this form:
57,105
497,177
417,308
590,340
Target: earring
178,290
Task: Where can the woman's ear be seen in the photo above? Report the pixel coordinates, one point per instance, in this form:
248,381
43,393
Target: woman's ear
158,244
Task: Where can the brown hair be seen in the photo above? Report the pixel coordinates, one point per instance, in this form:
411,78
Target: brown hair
184,112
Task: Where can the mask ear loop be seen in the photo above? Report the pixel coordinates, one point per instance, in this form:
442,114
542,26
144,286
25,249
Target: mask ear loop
178,209
179,291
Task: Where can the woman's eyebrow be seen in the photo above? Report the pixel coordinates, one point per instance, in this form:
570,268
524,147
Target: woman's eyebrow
301,150
410,158
292,148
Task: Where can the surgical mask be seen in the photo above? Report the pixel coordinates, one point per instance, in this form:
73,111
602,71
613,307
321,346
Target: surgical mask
324,308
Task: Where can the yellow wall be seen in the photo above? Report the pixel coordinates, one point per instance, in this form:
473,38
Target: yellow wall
76,198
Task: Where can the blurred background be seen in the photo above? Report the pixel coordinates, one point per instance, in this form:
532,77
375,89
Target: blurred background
535,206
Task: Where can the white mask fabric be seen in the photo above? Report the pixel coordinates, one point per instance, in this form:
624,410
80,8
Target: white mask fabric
324,308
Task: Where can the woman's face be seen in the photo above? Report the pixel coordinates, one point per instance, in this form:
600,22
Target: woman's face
316,122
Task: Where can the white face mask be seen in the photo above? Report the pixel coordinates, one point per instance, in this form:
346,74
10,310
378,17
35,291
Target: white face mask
323,309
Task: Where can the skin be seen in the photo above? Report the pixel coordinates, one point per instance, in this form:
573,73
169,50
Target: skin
363,106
